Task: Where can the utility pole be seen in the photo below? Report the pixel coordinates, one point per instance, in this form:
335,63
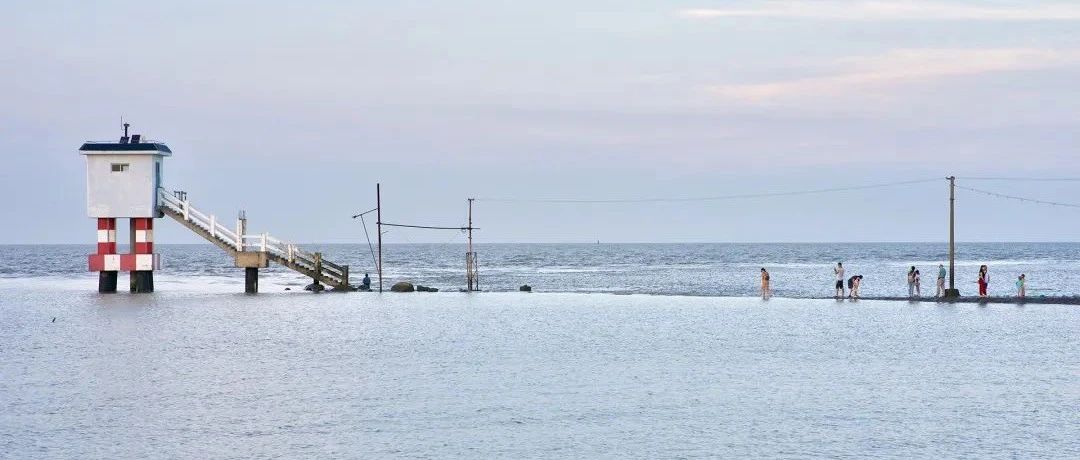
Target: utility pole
470,257
952,292
378,227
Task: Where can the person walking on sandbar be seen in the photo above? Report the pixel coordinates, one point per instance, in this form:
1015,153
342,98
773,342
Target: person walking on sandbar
911,282
839,271
984,280
941,273
765,292
1021,286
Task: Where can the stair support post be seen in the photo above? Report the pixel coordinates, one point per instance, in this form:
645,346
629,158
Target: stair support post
318,267
251,280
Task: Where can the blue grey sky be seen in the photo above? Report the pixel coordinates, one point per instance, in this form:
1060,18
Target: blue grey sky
294,110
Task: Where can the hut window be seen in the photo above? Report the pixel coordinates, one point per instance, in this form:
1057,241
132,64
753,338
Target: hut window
119,167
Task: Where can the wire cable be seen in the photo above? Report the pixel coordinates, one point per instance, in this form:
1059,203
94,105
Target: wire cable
428,227
1019,198
365,212
370,247
712,198
1024,179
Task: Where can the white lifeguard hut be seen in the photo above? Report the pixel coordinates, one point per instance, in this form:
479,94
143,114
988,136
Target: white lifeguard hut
122,181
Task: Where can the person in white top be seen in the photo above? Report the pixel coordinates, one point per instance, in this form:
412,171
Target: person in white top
911,282
839,271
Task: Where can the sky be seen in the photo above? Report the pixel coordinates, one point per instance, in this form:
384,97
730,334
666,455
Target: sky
293,111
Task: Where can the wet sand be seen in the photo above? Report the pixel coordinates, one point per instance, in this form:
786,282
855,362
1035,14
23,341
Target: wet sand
1071,300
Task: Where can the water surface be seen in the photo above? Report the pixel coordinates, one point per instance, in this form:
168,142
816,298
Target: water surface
186,372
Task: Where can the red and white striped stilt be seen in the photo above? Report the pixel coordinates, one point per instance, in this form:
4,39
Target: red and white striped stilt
106,262
142,261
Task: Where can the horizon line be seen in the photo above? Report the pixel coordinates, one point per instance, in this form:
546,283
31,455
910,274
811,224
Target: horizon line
595,243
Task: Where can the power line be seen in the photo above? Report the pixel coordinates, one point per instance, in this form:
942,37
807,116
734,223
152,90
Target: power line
711,198
429,227
1019,198
1025,179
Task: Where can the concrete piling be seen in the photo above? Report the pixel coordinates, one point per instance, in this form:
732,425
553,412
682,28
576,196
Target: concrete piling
251,280
251,262
142,281
107,282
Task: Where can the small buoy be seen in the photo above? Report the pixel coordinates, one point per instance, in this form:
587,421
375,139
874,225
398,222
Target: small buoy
288,289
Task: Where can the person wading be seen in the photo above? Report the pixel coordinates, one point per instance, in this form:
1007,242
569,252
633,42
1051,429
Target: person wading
984,280
765,292
941,274
911,282
839,271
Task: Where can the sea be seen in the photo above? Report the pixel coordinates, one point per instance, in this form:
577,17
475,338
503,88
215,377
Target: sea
620,351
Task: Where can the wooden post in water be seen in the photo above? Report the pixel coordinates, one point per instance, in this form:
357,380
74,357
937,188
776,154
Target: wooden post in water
470,257
378,229
952,292
318,270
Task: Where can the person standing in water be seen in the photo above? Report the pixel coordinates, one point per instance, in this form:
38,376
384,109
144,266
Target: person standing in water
839,271
918,284
765,292
941,273
853,286
911,282
984,280
1021,286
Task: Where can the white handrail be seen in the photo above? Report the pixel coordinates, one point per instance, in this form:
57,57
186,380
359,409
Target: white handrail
236,236
195,212
262,242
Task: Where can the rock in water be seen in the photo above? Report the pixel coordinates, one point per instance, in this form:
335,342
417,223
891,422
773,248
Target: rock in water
525,288
420,288
314,287
403,286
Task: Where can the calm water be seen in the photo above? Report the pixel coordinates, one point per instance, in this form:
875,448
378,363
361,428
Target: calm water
197,370
798,270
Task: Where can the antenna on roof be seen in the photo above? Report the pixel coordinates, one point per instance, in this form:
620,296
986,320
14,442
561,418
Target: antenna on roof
124,138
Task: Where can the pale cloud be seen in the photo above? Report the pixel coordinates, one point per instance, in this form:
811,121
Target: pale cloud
904,66
893,10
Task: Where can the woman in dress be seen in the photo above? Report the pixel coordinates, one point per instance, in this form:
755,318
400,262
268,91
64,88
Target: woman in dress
984,280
